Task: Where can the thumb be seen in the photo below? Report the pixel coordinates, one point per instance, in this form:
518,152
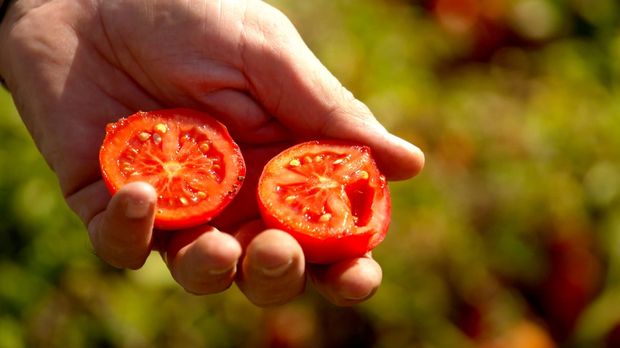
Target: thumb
122,233
293,85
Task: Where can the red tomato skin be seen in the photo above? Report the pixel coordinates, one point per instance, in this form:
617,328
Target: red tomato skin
331,249
176,220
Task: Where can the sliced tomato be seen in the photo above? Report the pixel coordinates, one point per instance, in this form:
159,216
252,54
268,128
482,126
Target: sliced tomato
330,196
187,156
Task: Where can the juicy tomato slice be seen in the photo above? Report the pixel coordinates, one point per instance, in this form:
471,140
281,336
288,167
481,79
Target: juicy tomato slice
187,156
330,196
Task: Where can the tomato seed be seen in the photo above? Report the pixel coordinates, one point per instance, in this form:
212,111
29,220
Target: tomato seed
201,195
157,139
144,136
294,163
204,147
363,174
308,159
339,161
325,217
290,199
161,128
183,201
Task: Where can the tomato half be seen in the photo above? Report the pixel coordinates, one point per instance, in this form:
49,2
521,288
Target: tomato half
330,196
187,156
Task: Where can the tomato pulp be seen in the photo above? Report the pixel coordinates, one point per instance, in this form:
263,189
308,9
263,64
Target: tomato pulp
187,156
330,196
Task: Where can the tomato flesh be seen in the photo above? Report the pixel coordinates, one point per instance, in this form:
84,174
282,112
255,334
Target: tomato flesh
187,156
330,196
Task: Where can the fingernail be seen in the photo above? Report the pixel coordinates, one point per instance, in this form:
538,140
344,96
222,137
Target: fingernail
352,296
404,143
221,271
277,270
137,208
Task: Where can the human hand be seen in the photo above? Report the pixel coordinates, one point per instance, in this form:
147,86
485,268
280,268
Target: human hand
74,66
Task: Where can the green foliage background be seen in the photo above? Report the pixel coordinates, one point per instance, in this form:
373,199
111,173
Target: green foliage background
509,238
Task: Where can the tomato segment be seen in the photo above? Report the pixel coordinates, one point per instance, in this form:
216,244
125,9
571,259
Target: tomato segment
329,195
187,156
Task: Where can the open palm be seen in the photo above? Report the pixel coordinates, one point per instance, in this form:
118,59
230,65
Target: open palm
74,66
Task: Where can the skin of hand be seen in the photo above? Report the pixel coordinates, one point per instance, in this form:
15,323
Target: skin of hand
73,66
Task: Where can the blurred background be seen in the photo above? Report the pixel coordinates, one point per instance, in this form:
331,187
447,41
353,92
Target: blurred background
509,238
